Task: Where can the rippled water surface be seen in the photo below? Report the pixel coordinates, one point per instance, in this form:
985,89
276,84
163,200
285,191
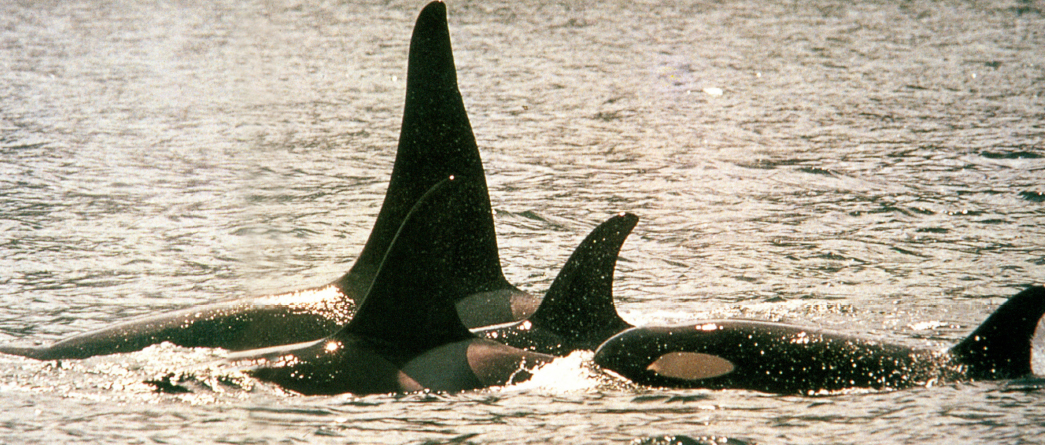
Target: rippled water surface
876,168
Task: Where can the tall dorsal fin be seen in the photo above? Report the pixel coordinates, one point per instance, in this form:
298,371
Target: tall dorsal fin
435,142
1001,347
411,302
579,304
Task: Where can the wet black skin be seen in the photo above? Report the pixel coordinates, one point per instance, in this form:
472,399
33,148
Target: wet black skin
407,335
577,312
787,359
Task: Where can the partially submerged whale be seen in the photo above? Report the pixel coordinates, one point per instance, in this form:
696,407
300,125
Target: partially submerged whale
407,335
577,312
436,141
787,359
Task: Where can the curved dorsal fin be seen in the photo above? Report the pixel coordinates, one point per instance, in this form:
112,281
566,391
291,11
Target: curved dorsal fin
435,141
579,304
411,301
1001,347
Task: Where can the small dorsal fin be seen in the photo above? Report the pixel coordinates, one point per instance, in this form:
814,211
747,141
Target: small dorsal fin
1001,347
579,304
411,301
435,141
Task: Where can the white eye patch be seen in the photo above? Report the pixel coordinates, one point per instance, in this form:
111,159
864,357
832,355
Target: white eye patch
690,366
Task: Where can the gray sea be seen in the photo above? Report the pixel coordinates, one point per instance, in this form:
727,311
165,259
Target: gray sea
873,167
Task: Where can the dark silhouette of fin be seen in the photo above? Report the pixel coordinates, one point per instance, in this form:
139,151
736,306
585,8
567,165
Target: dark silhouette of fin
411,302
1001,347
435,142
579,304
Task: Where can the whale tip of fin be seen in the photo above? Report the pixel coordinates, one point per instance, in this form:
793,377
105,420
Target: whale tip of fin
1000,347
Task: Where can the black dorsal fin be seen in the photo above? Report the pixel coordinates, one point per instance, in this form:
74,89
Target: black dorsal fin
579,304
1001,347
411,301
435,141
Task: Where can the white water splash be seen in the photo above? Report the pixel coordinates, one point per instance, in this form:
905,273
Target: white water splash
575,372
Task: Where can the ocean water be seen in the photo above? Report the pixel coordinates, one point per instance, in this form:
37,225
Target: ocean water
875,168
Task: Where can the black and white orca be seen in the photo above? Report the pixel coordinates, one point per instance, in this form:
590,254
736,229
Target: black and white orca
787,359
577,312
407,335
436,141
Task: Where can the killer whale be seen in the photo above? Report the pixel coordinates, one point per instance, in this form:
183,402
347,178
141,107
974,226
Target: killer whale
577,312
407,335
436,140
787,359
